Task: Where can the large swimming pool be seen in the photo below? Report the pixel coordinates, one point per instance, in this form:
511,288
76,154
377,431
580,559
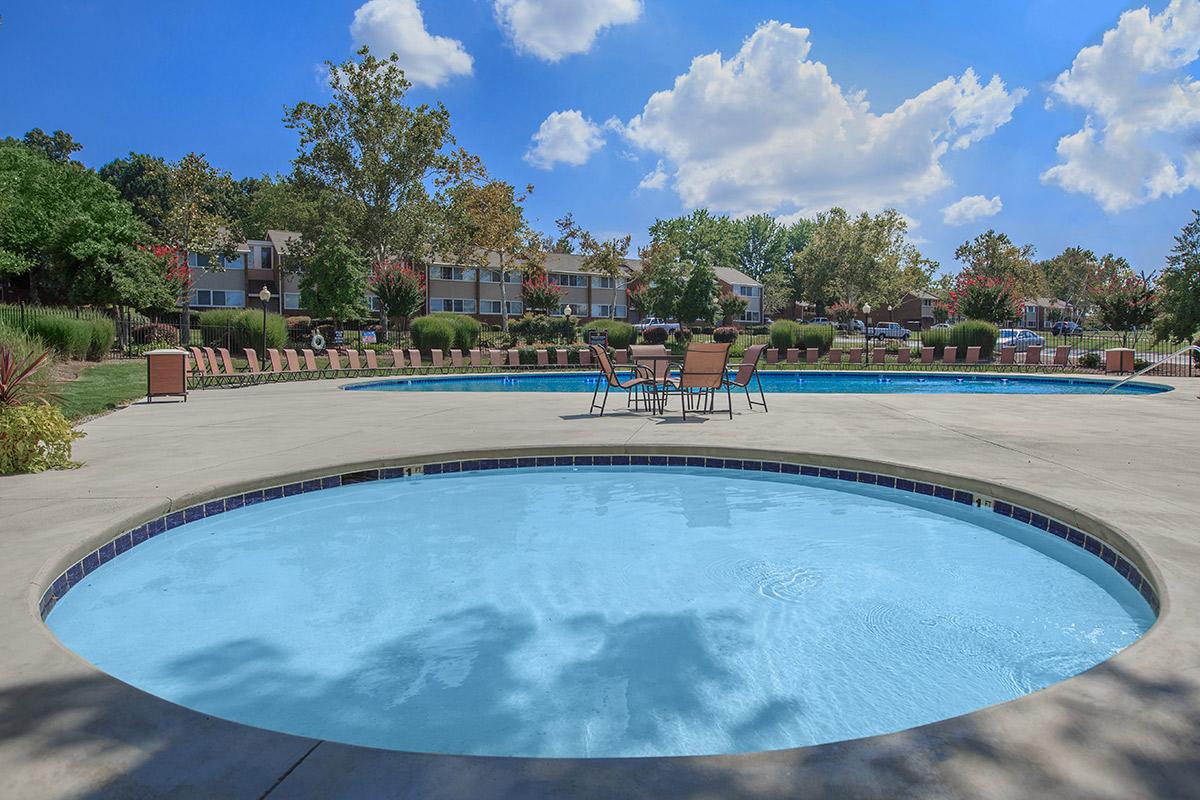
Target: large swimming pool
598,611
790,381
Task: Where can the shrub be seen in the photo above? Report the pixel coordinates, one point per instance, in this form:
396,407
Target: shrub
299,323
937,338
620,334
655,335
432,333
466,329
35,437
18,352
239,329
71,338
155,333
974,333
103,331
725,334
683,334
1090,360
818,336
785,333
542,328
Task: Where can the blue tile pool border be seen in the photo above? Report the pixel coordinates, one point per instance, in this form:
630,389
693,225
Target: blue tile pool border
127,540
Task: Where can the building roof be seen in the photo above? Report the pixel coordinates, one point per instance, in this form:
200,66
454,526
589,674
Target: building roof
555,262
280,240
921,294
734,277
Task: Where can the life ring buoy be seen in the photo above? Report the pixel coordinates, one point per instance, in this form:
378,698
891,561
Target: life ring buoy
318,341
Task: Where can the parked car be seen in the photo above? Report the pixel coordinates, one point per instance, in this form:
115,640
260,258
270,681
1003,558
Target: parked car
655,322
1066,328
889,330
819,321
940,326
1019,338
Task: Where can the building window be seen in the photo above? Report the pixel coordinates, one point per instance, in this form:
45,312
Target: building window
263,256
291,301
493,276
452,274
457,305
606,283
373,303
218,298
569,280
600,311
198,260
515,307
237,262
749,316
749,291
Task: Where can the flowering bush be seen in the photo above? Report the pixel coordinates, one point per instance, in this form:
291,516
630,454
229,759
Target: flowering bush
976,296
843,312
725,334
655,335
732,307
540,294
399,287
941,311
1123,302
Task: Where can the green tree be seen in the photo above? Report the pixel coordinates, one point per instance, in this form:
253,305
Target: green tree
1179,287
984,297
763,245
1124,304
333,279
608,258
698,300
777,294
144,182
381,156
731,307
1066,277
700,237
564,242
660,281
993,255
281,204
57,146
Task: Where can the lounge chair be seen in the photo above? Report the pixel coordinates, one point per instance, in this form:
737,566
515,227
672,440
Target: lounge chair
514,357
643,386
621,356
773,355
973,353
372,360
214,368
293,362
310,363
811,355
927,355
702,375
1008,355
856,355
226,361
1062,355
398,359
543,358
749,371
335,363
437,358
879,355
414,358
950,354
793,355
200,361
456,359
560,357
277,363
355,362
585,357
835,355
497,357
253,368
476,357
1033,355
904,355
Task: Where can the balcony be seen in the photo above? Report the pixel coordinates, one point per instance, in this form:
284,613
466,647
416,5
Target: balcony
264,275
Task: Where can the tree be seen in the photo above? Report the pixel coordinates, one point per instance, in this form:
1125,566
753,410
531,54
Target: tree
984,297
763,245
382,156
607,258
777,293
333,280
539,294
400,289
1124,303
941,312
843,313
192,223
57,146
660,281
488,230
144,182
1066,277
993,255
697,300
281,203
700,237
1179,287
731,307
564,242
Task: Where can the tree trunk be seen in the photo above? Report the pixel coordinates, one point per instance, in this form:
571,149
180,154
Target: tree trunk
503,297
612,307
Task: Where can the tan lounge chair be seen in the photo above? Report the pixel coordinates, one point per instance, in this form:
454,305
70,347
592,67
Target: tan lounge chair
585,357
950,354
904,356
497,357
1062,355
856,355
310,363
476,357
372,360
201,364
561,357
398,359
812,355
437,358
1033,355
879,355
355,362
456,359
642,386
793,355
514,357
926,355
414,358
835,355
293,361
973,353
543,358
1008,355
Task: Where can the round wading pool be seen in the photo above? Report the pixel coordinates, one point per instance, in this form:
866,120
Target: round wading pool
599,611
785,382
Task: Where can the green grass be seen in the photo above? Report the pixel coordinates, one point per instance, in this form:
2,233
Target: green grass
102,387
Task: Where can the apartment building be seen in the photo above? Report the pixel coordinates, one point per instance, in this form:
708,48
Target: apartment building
236,282
741,284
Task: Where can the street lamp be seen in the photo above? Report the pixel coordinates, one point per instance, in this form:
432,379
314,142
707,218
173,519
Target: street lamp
264,294
567,312
867,332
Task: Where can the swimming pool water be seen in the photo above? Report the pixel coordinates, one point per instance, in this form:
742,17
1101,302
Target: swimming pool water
783,381
594,611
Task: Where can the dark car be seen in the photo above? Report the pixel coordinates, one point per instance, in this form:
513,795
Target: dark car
1066,328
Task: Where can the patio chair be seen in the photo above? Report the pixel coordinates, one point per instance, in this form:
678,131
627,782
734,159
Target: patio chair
585,357
835,355
702,375
927,355
310,364
973,354
226,361
219,375
293,362
749,371
354,359
904,356
621,357
856,355
793,355
476,357
456,359
811,355
277,364
1062,355
335,363
560,357
1008,355
497,357
398,359
543,358
1033,355
643,386
372,360
202,378
253,367
437,358
950,354
514,357
414,358
773,355
879,355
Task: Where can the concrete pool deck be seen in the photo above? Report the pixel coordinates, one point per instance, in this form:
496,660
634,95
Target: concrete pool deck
1128,728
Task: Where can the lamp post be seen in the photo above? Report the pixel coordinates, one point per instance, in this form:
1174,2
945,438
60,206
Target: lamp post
567,312
867,332
264,294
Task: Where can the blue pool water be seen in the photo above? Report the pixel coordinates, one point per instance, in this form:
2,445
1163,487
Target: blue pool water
599,612
789,381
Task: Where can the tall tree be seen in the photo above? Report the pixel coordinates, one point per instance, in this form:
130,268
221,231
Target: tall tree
57,146
488,230
698,299
993,255
400,289
700,237
193,224
1066,277
333,281
763,245
144,182
1179,287
564,241
608,258
660,280
384,156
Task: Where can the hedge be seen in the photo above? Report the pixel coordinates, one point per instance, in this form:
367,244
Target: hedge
620,334
71,338
102,334
239,329
974,333
725,335
818,336
466,329
937,338
432,333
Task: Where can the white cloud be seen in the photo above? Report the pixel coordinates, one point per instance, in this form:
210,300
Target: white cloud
1137,143
397,26
552,29
769,130
656,179
565,137
971,208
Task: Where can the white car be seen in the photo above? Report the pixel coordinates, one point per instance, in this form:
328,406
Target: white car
655,322
1019,338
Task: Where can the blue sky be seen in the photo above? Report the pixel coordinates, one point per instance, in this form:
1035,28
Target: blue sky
775,124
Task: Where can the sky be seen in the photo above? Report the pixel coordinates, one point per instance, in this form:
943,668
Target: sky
1059,122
